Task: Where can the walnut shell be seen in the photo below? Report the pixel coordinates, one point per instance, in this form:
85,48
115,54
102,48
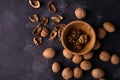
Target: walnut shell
51,7
97,73
77,59
115,59
97,45
55,67
104,56
80,13
49,53
109,27
88,56
37,40
67,54
44,32
85,65
77,72
36,31
101,33
102,79
44,20
34,3
67,73
34,18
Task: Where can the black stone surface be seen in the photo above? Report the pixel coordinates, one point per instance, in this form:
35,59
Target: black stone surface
20,59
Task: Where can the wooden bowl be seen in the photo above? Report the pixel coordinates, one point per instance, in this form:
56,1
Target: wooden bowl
79,25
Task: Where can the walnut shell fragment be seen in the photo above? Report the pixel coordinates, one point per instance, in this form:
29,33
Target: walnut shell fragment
56,19
44,20
44,32
53,34
37,40
51,7
34,18
34,3
36,31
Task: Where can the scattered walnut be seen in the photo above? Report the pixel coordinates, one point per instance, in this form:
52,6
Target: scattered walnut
34,3
115,59
77,59
34,18
51,7
77,72
104,56
55,67
80,13
97,73
36,31
56,19
37,40
97,45
109,27
67,54
85,65
101,33
67,73
49,53
53,34
88,56
44,32
44,20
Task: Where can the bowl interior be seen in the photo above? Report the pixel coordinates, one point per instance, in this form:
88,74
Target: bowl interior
79,25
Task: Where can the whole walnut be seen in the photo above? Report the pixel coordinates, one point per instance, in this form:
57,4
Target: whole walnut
80,13
55,67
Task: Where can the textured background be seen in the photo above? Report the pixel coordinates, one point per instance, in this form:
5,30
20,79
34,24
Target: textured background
20,59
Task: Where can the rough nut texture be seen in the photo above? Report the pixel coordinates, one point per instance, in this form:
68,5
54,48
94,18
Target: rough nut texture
55,67
115,59
67,54
97,45
77,72
80,13
77,59
109,27
85,65
67,73
101,33
104,56
97,73
88,56
49,53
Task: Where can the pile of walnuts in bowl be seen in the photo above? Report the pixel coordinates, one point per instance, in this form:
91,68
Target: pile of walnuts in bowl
40,32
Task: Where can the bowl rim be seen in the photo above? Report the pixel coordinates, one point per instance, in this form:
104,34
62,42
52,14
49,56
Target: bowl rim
73,22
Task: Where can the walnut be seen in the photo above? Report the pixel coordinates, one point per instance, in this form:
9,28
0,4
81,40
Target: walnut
56,19
37,40
34,18
36,31
44,20
51,7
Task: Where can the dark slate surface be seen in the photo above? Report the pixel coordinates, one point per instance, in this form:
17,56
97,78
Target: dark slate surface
20,59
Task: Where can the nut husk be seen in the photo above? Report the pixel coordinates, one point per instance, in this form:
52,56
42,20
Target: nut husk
51,7
34,3
34,18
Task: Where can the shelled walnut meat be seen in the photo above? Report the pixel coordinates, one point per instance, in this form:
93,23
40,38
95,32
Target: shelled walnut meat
34,3
56,19
77,39
34,18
